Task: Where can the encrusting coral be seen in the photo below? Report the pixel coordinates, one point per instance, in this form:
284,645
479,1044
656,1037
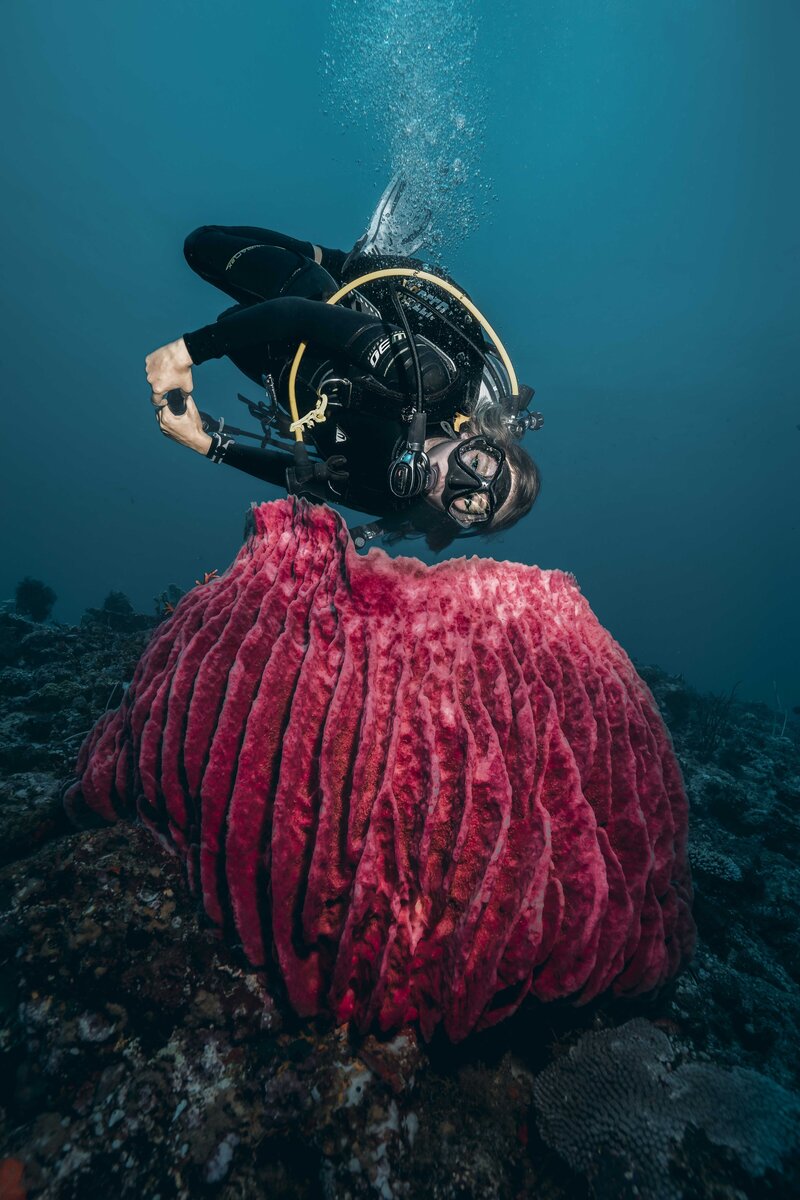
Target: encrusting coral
617,1109
424,792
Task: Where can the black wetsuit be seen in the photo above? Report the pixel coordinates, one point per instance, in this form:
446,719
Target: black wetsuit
280,292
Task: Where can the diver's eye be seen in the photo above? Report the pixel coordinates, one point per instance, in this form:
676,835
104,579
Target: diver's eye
483,464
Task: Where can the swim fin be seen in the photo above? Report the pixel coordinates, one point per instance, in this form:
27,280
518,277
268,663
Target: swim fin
396,227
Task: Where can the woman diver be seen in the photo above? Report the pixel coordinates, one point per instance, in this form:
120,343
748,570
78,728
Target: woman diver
414,416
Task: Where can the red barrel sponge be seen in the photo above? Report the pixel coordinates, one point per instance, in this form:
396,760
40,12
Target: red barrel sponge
417,792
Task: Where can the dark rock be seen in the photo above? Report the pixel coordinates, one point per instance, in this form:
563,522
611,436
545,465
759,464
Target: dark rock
12,631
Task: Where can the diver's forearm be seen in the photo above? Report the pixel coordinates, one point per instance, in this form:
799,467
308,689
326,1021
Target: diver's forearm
267,465
288,319
270,321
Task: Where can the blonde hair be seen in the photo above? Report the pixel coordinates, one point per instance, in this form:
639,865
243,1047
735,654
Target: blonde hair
527,479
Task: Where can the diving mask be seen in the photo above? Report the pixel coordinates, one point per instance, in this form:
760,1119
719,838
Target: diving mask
479,478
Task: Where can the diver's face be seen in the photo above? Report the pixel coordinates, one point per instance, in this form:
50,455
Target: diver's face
471,508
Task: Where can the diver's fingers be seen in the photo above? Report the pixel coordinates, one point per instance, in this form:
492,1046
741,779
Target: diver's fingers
160,388
185,428
191,413
167,414
171,426
166,369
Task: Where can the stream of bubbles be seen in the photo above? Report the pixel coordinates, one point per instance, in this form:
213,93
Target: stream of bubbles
404,72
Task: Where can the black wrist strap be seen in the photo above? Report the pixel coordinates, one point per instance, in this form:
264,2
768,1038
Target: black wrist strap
220,442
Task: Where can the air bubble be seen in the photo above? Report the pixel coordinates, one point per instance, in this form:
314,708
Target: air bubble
422,103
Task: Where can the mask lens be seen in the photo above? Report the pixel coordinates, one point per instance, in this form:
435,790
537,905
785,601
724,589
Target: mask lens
469,512
473,499
480,458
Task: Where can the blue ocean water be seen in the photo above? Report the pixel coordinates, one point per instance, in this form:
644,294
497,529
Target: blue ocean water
616,185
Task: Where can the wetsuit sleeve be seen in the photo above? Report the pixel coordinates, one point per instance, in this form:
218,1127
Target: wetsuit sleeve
287,319
269,465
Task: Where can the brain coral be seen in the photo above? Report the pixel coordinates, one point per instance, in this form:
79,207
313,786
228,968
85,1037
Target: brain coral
422,792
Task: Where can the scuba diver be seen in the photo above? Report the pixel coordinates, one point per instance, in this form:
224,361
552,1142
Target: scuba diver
407,395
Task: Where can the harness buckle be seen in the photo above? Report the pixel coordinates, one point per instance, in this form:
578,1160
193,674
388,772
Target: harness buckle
332,388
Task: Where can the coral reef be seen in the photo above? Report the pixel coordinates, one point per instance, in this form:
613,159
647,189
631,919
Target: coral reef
427,792
140,1055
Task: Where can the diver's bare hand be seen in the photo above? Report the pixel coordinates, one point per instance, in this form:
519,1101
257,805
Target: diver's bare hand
187,429
169,367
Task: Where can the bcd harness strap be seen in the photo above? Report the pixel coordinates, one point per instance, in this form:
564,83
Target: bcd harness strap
318,414
369,395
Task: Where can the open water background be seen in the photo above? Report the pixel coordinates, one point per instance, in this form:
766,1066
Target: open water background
617,187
